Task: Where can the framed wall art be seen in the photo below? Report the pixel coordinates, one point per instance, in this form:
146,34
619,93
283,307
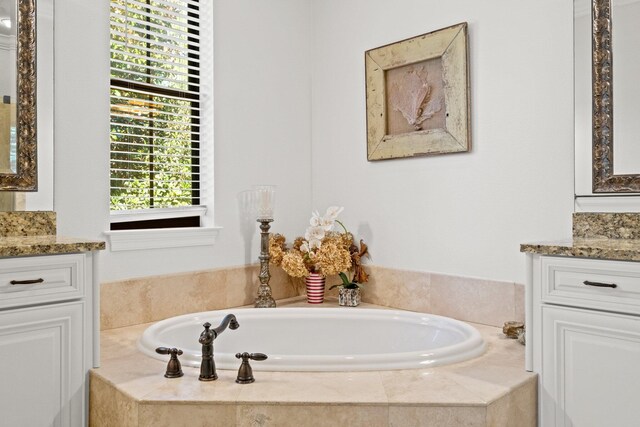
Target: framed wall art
418,96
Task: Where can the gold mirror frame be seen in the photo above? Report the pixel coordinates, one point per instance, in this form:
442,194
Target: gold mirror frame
604,178
26,176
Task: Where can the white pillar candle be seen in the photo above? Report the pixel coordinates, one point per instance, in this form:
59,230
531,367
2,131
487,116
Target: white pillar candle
265,195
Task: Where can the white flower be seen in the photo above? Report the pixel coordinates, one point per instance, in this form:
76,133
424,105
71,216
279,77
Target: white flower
326,223
314,244
315,219
314,233
333,212
304,247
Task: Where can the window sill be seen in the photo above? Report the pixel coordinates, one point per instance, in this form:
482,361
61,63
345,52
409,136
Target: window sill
133,240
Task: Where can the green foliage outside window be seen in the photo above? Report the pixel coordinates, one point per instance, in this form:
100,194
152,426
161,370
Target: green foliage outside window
154,105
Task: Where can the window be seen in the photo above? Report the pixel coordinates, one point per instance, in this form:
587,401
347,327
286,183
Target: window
155,109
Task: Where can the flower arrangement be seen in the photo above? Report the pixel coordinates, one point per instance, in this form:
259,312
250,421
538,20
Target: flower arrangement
322,250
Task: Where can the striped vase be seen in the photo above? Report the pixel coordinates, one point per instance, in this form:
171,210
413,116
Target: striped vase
315,288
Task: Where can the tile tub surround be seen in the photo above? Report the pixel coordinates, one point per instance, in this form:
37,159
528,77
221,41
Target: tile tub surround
129,389
148,299
135,301
488,302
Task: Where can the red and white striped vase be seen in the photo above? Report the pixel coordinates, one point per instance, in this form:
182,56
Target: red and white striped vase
315,288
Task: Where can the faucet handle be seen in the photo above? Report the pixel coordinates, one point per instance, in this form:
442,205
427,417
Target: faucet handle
174,369
245,373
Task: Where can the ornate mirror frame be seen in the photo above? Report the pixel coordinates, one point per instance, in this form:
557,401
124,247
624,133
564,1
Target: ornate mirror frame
604,178
26,176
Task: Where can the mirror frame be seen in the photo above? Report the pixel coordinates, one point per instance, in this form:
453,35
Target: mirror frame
26,176
604,178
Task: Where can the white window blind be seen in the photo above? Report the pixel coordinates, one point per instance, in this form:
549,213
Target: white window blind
155,104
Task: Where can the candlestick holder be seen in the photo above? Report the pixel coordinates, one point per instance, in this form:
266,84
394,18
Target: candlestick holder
264,298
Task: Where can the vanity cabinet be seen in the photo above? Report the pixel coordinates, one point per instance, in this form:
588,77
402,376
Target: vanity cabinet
583,334
47,333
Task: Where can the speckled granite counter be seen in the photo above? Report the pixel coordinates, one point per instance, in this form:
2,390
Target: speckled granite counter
25,223
614,236
34,233
614,249
45,245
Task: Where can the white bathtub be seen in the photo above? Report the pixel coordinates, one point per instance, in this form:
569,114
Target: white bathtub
321,339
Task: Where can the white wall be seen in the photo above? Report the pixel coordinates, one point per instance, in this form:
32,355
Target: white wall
462,214
262,128
281,62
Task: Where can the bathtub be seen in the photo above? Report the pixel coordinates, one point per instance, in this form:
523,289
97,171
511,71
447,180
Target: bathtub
320,339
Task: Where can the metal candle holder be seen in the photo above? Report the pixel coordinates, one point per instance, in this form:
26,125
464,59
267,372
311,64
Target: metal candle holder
264,298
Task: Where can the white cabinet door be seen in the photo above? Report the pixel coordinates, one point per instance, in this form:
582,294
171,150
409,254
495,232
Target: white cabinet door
590,368
41,366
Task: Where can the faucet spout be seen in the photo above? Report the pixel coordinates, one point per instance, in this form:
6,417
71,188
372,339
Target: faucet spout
228,321
208,365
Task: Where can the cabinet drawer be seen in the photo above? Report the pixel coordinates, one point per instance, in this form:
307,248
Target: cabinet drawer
563,282
41,279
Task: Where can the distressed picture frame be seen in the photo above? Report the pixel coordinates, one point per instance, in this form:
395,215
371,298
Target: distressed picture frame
418,96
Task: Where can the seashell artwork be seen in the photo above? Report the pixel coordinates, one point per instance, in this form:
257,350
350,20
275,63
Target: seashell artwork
415,97
418,96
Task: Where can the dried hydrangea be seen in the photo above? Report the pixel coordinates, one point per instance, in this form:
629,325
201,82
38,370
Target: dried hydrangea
277,248
293,264
332,258
322,250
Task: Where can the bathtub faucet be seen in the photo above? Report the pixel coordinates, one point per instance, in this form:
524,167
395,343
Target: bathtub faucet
208,365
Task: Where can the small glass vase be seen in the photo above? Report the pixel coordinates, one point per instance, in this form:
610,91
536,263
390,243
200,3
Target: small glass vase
315,288
349,297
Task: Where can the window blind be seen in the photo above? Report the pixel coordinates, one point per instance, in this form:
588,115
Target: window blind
155,104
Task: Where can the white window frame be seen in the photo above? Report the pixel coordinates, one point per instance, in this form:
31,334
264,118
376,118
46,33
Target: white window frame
206,234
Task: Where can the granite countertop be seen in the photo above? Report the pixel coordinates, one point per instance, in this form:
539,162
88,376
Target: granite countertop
600,235
599,248
45,245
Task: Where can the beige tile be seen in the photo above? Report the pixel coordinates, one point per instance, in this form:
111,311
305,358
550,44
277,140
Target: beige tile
209,287
135,301
179,294
109,407
134,375
188,389
489,381
187,415
495,373
432,386
120,342
519,303
516,409
243,282
407,290
436,416
123,303
283,285
473,300
242,285
316,415
314,387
